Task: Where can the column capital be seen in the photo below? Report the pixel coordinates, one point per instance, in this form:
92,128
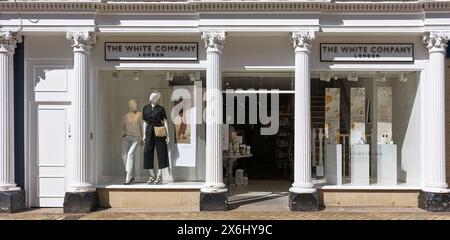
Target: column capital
9,40
214,40
81,41
302,40
436,41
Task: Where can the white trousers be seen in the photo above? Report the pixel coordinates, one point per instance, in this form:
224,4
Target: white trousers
129,146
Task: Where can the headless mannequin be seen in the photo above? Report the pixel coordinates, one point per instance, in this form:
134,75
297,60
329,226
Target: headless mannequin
132,136
154,98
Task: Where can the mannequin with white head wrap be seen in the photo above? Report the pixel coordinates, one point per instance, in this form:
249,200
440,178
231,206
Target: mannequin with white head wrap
154,115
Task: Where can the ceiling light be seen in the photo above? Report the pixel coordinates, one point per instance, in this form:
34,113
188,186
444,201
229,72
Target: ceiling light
322,76
191,77
403,77
169,76
136,76
327,77
115,75
380,77
352,76
195,76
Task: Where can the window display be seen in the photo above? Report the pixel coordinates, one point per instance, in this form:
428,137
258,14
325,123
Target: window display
367,145
132,137
135,109
384,115
332,114
182,129
155,136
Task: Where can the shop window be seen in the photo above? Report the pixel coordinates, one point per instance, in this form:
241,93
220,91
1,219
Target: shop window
365,128
118,128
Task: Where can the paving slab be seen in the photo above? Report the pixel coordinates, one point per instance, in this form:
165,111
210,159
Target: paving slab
148,214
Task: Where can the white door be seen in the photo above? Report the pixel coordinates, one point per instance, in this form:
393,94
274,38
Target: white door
53,133
50,135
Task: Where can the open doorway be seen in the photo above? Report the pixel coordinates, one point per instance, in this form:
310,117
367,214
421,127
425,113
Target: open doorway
259,172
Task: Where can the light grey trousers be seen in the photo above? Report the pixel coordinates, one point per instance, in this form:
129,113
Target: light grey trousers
129,146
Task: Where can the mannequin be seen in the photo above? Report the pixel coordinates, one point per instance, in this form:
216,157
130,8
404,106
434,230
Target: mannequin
132,136
154,115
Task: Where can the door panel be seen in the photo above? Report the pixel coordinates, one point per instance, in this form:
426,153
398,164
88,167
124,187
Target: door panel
52,135
52,154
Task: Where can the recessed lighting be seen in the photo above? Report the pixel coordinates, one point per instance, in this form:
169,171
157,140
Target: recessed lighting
322,76
335,77
169,76
352,76
403,77
115,75
136,76
380,77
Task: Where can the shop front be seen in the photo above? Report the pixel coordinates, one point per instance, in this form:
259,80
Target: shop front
185,112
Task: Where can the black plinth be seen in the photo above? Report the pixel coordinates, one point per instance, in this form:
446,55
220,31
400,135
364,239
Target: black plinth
304,202
434,202
80,202
12,201
213,201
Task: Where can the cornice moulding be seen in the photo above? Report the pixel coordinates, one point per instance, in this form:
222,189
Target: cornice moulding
228,6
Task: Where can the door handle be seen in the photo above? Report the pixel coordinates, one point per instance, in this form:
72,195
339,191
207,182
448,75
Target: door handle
69,131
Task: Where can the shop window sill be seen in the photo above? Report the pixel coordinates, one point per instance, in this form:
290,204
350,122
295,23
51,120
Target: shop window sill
174,185
369,187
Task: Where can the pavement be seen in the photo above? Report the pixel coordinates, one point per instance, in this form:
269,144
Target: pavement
148,214
257,204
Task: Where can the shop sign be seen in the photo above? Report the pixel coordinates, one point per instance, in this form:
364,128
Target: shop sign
365,52
151,51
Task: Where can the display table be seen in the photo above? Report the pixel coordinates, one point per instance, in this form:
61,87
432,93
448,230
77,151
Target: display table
359,164
333,164
387,164
229,161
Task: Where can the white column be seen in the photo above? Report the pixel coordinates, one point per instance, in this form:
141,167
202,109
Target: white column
435,181
214,41
302,125
8,42
81,42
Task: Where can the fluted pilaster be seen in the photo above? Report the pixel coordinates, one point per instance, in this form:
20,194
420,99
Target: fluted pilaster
8,43
302,136
435,179
81,42
214,41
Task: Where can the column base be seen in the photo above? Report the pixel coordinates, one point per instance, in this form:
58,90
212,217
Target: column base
304,202
214,201
12,201
80,202
434,202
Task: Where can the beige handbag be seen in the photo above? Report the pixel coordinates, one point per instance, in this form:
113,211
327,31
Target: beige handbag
160,131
